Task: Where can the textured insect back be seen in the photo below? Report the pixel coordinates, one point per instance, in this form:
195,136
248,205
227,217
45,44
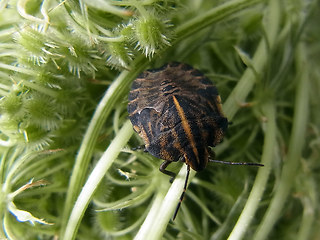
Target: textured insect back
177,112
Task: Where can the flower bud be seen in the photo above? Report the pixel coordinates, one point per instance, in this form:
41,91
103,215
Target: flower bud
151,34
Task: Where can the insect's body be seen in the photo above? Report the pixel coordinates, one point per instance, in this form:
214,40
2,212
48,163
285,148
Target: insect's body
177,112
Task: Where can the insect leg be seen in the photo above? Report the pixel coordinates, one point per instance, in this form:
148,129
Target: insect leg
182,195
163,167
142,147
237,163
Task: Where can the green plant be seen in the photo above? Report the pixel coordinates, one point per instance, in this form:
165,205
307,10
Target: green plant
66,68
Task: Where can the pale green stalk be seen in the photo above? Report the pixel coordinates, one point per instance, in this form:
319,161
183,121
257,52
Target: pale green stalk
213,16
148,224
233,213
95,178
239,95
256,194
159,216
259,61
310,203
296,143
116,90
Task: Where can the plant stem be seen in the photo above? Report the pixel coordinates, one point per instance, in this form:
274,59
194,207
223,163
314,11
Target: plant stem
158,219
259,61
296,143
116,90
310,204
148,224
226,226
213,16
95,178
260,183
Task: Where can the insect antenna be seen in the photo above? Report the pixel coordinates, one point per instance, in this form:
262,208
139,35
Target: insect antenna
237,163
182,194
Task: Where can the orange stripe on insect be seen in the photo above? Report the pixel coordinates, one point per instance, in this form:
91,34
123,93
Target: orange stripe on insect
186,128
218,103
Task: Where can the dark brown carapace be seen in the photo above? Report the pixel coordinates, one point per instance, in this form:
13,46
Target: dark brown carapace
177,112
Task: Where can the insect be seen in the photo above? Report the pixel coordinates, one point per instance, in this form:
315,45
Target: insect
177,112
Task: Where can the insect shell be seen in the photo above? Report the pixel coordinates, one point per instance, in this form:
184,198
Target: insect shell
176,110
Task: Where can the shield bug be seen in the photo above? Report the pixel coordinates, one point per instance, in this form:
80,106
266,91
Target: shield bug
177,112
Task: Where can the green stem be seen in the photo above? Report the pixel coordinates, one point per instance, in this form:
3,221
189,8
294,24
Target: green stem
259,61
116,90
140,8
260,183
225,227
163,208
16,167
296,144
213,16
18,69
39,88
308,217
95,178
147,228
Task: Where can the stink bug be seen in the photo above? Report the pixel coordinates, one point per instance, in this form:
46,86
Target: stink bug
177,112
